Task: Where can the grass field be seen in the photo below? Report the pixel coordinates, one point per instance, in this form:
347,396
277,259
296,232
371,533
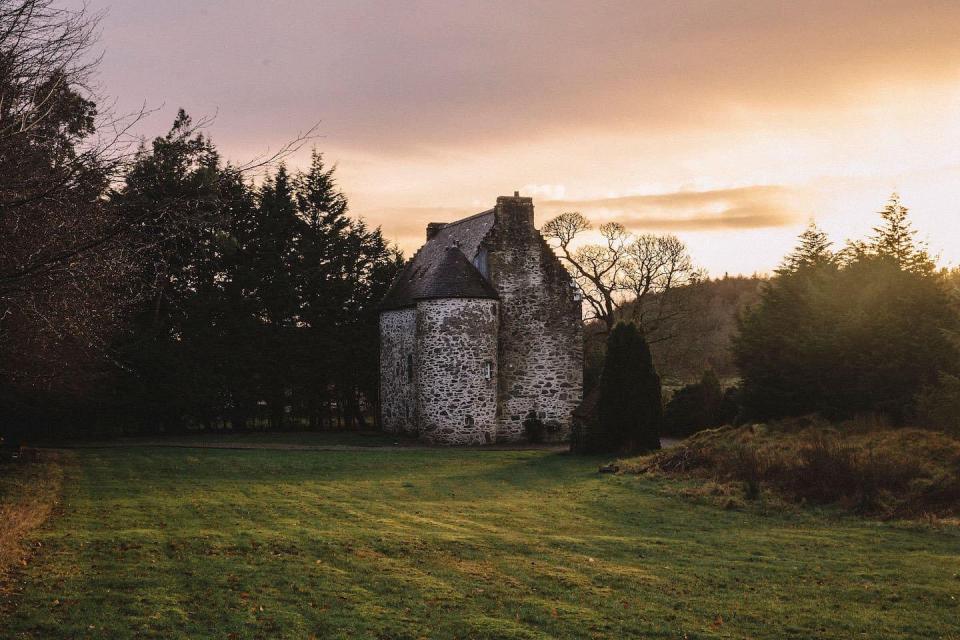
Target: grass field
206,543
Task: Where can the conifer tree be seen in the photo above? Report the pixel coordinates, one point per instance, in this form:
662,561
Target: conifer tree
319,200
630,409
172,200
863,334
275,261
895,239
812,250
244,295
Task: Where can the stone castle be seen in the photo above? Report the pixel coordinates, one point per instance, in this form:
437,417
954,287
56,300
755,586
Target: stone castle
480,333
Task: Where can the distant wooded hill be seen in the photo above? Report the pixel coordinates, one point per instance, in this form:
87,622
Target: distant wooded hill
696,339
701,335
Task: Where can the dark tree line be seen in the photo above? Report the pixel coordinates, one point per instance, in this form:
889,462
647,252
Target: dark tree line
161,289
61,261
255,304
865,329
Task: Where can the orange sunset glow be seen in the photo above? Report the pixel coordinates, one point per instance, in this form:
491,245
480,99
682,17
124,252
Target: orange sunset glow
730,124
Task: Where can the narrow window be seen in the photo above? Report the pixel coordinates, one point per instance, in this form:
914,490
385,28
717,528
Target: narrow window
480,262
409,367
487,370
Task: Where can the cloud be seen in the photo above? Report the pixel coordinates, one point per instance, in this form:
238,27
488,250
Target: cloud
408,77
548,191
753,207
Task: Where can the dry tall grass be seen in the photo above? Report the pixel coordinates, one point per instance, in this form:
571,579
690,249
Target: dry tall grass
29,492
863,465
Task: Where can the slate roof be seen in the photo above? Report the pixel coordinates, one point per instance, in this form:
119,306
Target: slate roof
443,267
455,277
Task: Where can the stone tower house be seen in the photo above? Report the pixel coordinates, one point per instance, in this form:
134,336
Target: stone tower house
481,328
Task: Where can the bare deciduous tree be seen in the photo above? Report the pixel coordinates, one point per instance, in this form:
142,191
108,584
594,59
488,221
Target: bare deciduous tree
625,276
56,300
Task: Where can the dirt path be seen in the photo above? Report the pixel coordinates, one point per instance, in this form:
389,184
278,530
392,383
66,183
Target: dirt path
401,445
285,446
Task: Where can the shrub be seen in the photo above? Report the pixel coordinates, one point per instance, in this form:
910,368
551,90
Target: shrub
698,406
533,427
938,405
885,472
823,467
729,411
630,410
829,469
751,467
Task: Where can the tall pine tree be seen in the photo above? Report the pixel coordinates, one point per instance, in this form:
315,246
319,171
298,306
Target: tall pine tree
896,239
813,250
172,199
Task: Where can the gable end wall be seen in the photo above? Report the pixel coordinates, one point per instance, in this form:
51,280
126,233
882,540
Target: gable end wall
541,332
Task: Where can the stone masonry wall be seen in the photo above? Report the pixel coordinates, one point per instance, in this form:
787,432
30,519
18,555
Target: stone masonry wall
456,338
398,397
541,332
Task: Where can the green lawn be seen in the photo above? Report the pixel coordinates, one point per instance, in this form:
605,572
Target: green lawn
205,543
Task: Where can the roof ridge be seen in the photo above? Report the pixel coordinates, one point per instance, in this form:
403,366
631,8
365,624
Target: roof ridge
467,219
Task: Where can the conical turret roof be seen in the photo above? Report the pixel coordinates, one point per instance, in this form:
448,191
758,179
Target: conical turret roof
442,268
455,277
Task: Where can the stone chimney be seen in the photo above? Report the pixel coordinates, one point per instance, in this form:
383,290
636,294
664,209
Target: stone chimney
433,228
514,212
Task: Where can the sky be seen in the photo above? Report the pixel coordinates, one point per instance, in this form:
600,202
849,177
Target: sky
730,124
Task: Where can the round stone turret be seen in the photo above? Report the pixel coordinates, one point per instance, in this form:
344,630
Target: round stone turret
457,370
